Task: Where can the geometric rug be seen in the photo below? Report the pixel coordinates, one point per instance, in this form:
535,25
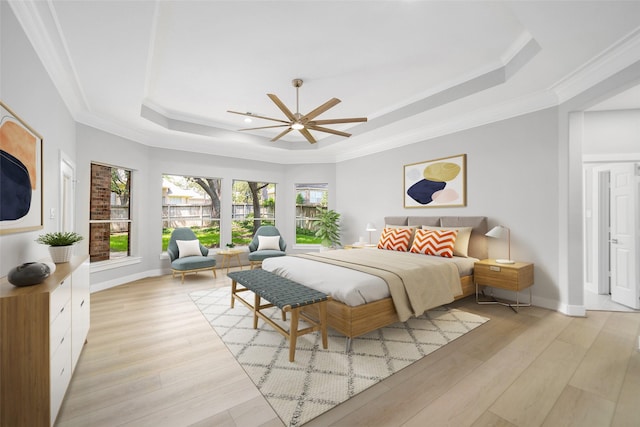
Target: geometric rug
320,379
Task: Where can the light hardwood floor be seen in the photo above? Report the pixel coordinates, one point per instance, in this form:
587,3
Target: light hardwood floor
152,359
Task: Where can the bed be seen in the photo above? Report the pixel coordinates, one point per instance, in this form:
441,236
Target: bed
376,310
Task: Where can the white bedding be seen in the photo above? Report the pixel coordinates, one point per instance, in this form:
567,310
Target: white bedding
349,286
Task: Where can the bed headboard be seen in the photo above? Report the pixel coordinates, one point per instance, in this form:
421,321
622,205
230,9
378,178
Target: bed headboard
477,241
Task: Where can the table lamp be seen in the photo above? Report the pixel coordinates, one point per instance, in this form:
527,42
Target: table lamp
499,232
370,227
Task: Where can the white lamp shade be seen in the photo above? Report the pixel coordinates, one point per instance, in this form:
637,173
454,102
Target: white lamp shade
370,227
498,232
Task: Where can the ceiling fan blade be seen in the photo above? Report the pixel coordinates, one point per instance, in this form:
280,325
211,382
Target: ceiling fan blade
258,117
333,131
282,107
281,134
264,127
321,109
308,135
336,121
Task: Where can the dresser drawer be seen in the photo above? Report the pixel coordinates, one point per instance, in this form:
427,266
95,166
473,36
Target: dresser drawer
59,298
508,276
59,329
60,374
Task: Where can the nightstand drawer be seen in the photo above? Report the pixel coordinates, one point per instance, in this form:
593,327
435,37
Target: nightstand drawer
508,276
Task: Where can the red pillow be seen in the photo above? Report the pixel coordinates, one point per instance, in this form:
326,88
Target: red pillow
434,242
395,239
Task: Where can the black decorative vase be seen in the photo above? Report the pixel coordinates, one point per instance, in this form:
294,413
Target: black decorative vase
29,273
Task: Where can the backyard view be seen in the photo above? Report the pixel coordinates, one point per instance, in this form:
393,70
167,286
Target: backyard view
194,202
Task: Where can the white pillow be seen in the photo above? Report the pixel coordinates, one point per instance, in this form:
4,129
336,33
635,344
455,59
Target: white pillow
461,247
268,242
188,248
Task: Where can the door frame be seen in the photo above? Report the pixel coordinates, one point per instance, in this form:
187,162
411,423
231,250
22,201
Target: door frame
66,162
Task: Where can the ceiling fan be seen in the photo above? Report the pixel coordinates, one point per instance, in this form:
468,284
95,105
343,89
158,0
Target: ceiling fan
302,123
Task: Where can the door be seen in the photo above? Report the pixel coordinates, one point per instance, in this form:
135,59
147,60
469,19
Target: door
624,274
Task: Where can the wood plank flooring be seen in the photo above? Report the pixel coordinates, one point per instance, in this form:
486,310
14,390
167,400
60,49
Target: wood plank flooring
153,360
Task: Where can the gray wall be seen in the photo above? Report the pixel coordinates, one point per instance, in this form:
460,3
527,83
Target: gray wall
611,132
511,179
26,88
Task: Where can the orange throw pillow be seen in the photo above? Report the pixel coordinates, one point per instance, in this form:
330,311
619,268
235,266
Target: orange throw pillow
395,239
434,242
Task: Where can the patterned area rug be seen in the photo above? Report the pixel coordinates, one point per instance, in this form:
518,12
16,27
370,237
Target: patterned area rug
320,379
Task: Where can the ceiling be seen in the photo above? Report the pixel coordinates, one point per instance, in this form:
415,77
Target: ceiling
164,73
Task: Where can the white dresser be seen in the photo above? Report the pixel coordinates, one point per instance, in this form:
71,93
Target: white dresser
42,332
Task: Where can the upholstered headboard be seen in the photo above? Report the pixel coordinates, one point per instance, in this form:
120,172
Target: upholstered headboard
477,241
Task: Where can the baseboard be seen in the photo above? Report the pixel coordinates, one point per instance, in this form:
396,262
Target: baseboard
574,310
101,286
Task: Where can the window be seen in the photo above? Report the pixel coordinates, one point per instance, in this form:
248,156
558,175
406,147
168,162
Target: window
194,202
110,213
309,199
254,204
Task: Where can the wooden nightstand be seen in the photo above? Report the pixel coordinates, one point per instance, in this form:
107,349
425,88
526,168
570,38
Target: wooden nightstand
513,277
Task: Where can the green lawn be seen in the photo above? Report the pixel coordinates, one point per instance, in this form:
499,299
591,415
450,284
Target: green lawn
210,237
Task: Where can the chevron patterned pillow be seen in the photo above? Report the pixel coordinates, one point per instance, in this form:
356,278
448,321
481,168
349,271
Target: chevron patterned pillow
434,242
395,239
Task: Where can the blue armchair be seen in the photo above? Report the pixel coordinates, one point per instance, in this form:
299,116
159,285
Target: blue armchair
269,248
194,254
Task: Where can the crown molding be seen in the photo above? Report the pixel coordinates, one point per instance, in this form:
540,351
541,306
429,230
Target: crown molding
614,59
40,23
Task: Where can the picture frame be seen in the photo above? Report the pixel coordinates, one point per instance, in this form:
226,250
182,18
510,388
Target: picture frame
436,183
21,162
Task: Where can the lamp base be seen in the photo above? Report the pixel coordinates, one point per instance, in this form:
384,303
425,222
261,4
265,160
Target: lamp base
505,261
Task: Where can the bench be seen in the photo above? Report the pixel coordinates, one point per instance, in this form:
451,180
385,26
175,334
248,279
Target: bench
288,296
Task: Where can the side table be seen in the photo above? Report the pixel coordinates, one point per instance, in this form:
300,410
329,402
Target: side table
513,277
228,255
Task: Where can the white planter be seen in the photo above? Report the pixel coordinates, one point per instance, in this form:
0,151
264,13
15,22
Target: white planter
60,254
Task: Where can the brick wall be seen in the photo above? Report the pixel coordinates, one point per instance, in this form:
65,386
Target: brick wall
100,208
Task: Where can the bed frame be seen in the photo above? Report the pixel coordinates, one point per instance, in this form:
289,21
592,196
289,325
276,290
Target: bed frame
365,318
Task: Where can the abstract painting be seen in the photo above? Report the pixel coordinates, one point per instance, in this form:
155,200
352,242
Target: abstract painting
436,183
20,174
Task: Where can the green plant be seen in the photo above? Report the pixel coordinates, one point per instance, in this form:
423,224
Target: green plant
328,227
59,238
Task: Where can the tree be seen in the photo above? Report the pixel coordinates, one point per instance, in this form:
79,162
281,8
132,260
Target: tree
254,188
299,199
120,185
212,188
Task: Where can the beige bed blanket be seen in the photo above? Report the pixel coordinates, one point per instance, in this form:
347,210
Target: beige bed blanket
416,283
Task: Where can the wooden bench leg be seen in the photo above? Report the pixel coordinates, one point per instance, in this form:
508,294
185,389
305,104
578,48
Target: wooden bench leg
323,323
256,307
233,292
293,334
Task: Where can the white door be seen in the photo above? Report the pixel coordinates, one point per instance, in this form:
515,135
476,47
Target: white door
624,270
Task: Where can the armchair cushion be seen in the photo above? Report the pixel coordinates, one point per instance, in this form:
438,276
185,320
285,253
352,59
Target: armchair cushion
262,255
193,263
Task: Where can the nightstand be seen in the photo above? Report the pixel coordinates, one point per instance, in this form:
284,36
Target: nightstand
513,277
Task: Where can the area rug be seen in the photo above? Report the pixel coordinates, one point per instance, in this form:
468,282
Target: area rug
320,379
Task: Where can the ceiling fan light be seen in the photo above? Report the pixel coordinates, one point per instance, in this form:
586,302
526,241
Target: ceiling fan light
297,126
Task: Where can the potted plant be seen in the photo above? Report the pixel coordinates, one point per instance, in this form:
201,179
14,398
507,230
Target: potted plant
328,227
60,244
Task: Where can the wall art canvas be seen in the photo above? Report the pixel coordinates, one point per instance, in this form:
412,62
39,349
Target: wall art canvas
436,183
20,174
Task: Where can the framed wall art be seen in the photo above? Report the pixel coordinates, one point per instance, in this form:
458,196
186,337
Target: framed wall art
20,174
436,183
